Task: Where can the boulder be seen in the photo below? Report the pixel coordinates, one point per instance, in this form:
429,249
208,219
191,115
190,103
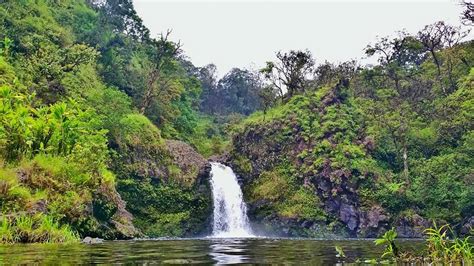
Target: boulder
349,215
411,226
90,240
122,220
467,226
192,165
373,222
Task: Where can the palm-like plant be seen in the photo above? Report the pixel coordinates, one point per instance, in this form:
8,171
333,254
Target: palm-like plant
388,239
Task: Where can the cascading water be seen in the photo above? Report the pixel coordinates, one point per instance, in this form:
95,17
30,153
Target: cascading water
230,212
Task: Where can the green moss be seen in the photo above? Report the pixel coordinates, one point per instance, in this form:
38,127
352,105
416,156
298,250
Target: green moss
208,137
243,165
285,196
19,192
272,186
13,194
60,168
302,204
166,209
7,73
167,224
174,172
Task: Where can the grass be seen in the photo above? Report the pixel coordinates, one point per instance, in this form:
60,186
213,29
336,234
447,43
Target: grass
33,229
444,250
36,194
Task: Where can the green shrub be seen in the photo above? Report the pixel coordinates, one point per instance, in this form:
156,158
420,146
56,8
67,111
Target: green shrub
167,224
302,204
388,239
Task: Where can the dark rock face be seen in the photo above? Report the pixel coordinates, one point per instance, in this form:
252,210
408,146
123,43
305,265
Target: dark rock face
349,215
373,222
185,156
168,173
193,166
120,224
467,226
411,227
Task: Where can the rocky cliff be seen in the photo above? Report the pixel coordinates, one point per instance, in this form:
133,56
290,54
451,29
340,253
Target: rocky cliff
164,182
307,170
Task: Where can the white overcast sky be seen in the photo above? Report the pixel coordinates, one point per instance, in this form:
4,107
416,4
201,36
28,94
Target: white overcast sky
245,34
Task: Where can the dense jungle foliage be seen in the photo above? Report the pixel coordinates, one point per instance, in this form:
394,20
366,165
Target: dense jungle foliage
87,101
105,130
365,148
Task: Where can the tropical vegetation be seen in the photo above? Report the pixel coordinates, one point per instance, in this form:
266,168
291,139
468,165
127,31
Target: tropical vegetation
106,130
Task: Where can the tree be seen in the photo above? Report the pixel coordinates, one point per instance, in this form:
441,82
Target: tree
467,16
162,57
209,99
399,56
238,92
437,36
400,60
329,73
122,17
268,96
49,65
290,72
451,37
432,37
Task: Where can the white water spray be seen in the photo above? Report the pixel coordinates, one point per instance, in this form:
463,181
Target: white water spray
230,212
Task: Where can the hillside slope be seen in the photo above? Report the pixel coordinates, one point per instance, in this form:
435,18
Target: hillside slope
327,162
82,129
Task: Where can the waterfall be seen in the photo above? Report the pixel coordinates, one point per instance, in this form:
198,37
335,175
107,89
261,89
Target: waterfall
230,212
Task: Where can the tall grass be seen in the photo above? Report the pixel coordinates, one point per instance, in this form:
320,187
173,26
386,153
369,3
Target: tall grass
32,229
443,247
6,233
444,250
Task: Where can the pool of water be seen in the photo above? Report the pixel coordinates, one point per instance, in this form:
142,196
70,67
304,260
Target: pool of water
202,251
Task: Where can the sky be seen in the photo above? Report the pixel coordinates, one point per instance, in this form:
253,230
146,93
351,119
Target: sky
246,34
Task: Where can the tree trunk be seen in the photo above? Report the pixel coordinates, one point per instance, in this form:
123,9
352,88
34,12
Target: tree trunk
405,163
436,61
147,97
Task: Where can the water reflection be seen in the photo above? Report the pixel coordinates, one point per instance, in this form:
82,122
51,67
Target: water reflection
229,251
196,251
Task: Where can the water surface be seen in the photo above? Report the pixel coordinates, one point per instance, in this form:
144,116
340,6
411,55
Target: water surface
202,251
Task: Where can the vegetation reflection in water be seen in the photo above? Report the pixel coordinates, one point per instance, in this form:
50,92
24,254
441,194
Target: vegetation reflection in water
206,250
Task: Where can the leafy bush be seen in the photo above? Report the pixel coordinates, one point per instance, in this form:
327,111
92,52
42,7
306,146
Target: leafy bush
285,197
137,130
388,239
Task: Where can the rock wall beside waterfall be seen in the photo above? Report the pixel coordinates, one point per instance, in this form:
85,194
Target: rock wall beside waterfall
307,170
164,182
